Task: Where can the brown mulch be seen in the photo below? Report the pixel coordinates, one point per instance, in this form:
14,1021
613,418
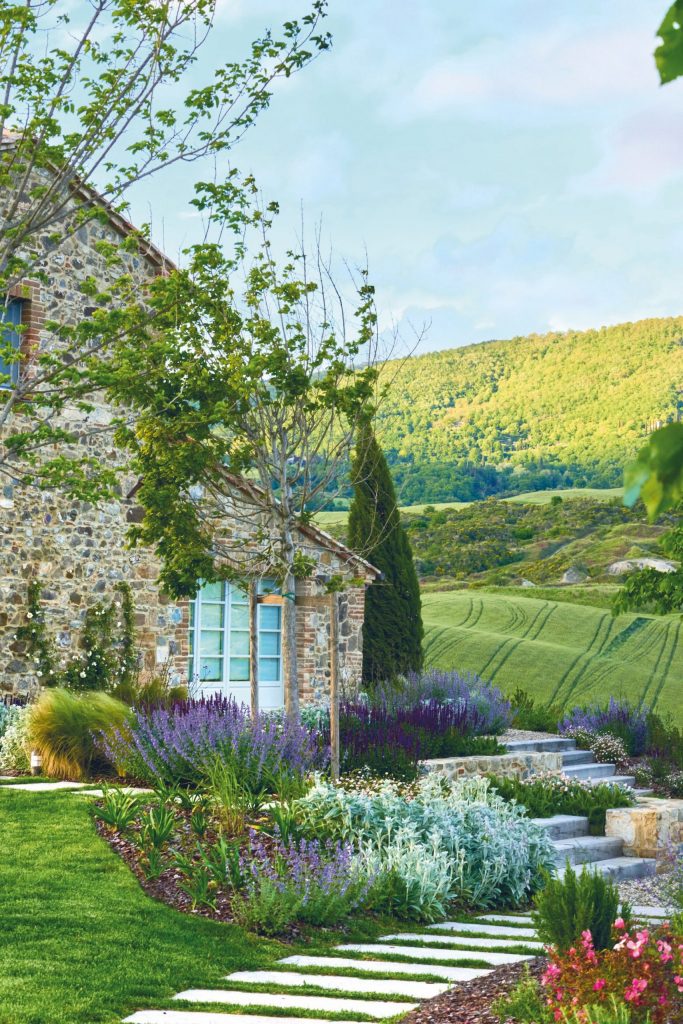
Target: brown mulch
470,1002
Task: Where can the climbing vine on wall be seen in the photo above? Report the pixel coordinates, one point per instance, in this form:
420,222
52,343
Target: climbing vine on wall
107,656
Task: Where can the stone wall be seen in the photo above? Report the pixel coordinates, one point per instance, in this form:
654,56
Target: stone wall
649,828
78,552
520,765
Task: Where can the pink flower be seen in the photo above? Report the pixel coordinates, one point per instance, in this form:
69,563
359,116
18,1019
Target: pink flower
635,990
620,923
599,985
665,951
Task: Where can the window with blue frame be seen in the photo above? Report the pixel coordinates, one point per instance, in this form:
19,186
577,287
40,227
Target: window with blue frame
10,320
219,653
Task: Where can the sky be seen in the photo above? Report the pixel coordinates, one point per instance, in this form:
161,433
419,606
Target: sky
506,167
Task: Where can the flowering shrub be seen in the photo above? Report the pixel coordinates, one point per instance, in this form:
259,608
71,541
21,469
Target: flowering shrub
608,749
14,748
391,739
620,718
434,842
644,970
178,744
546,794
483,710
308,881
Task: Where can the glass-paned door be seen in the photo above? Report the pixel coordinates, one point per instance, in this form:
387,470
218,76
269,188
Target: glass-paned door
219,661
10,319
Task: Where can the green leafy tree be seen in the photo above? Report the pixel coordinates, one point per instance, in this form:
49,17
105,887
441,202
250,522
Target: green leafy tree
392,633
94,100
245,396
669,53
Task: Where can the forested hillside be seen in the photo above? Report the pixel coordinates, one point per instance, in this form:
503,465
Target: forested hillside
540,411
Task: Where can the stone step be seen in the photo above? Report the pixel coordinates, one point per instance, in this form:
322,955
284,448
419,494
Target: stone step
563,826
587,849
621,868
591,770
331,963
43,787
340,983
375,1008
574,757
424,953
625,781
468,928
468,941
199,1017
552,743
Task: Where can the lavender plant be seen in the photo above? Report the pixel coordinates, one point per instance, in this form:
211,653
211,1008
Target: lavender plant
179,744
620,718
482,708
308,881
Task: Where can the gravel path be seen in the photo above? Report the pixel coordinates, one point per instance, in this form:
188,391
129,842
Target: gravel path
526,734
645,891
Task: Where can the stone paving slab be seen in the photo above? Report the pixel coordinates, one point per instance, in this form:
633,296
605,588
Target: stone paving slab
493,930
425,953
199,1017
375,1008
658,913
472,941
507,918
44,787
386,967
385,987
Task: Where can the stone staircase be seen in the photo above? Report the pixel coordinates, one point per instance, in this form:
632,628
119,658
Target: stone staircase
570,835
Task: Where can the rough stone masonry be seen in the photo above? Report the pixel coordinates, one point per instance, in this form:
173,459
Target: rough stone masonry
78,551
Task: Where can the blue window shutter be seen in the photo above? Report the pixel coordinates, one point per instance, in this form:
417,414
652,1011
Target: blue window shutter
10,317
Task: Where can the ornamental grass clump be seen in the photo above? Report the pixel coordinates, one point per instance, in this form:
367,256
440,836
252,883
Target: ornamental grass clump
63,727
542,796
179,744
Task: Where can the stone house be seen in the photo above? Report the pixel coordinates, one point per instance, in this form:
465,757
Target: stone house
78,552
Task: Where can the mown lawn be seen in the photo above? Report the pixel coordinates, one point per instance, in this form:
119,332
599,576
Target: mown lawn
81,943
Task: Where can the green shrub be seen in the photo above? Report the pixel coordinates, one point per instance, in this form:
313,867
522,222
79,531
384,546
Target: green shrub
544,796
525,1004
567,907
614,1013
529,715
63,727
14,748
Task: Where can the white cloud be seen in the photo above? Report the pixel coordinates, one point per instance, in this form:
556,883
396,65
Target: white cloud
545,69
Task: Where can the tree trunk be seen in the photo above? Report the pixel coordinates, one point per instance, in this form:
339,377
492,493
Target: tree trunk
253,644
289,654
334,686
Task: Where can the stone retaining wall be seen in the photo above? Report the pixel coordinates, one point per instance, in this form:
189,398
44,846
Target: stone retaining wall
648,828
519,765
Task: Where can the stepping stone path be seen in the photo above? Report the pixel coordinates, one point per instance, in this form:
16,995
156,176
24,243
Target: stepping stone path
395,989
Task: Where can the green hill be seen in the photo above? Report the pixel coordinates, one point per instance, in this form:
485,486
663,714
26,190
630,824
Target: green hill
531,413
559,652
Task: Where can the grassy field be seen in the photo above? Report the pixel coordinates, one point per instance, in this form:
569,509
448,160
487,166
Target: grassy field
558,651
325,519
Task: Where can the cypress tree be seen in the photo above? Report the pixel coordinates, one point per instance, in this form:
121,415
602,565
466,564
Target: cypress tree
392,633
